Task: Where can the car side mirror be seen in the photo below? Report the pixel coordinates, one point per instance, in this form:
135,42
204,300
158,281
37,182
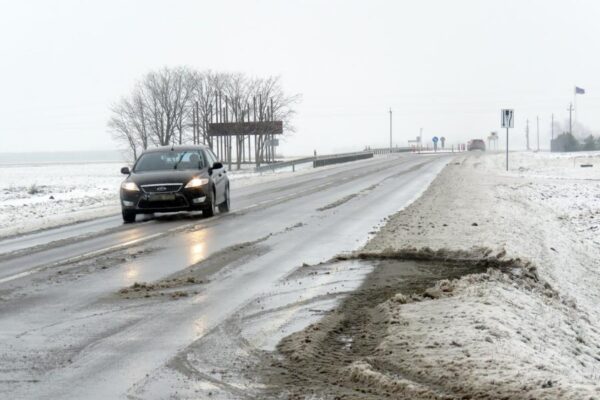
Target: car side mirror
125,171
217,165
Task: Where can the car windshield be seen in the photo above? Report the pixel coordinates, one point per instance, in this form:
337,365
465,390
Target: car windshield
170,160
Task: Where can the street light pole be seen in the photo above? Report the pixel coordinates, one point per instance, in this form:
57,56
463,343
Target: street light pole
527,135
538,132
390,130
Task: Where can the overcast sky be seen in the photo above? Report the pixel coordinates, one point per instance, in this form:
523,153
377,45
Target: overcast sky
446,66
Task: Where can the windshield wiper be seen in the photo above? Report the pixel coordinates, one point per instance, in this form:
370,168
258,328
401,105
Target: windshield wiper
179,161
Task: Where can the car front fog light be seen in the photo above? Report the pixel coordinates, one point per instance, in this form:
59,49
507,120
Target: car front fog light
128,203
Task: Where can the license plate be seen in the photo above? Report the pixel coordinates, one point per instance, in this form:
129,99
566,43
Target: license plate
162,197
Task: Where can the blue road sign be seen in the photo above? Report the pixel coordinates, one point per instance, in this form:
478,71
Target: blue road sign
435,139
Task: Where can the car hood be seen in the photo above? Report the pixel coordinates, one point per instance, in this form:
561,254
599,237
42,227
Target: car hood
156,177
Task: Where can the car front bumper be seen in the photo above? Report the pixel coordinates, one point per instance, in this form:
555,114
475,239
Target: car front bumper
183,200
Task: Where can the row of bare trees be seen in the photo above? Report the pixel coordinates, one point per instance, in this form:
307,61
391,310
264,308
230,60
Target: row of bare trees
175,105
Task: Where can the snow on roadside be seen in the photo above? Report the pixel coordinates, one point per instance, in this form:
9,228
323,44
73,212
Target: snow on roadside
42,196
499,335
45,195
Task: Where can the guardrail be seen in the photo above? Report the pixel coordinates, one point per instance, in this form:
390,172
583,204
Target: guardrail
284,164
387,150
319,161
341,158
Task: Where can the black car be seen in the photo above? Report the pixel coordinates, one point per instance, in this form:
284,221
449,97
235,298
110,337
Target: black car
179,178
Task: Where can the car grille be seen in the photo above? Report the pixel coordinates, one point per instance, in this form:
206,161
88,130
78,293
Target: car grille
162,188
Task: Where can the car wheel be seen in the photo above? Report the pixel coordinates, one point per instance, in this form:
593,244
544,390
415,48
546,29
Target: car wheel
209,210
225,205
128,216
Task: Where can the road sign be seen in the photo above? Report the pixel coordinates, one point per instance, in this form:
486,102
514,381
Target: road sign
245,128
507,118
435,139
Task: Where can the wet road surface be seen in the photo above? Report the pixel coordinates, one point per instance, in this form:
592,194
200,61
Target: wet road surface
70,330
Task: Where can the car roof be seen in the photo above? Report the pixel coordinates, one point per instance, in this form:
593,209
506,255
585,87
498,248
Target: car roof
176,148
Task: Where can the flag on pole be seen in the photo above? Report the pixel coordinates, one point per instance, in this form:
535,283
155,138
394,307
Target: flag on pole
579,90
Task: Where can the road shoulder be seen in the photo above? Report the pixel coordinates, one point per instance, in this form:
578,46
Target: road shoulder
523,327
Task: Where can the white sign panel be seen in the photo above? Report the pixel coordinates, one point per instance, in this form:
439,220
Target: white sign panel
508,118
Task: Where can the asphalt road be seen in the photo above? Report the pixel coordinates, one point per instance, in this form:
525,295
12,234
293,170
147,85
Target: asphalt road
68,330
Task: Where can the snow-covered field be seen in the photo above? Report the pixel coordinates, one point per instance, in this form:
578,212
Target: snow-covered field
528,330
41,196
38,196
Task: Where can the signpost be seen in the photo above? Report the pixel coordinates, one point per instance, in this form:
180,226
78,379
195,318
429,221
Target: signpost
508,121
443,140
435,140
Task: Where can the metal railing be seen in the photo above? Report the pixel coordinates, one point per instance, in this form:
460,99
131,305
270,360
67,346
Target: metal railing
284,164
387,150
341,158
316,161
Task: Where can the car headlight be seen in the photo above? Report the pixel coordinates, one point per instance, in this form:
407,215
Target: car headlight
130,187
196,182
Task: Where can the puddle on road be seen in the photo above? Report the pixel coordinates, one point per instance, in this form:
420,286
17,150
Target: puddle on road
294,339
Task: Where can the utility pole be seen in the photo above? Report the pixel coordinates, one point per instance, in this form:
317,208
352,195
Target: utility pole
538,131
552,128
570,119
390,130
507,127
527,134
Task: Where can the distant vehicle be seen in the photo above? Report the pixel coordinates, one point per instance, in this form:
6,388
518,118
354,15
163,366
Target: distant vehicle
476,144
170,179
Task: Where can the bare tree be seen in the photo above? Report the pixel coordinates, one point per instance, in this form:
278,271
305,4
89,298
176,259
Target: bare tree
122,127
175,105
237,91
273,104
205,92
166,95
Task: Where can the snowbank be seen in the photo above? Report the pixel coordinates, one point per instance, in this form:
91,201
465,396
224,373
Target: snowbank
503,334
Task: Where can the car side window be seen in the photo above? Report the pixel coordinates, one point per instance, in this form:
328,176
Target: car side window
204,162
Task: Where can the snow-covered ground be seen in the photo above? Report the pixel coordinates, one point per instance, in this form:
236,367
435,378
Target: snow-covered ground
46,195
38,196
527,330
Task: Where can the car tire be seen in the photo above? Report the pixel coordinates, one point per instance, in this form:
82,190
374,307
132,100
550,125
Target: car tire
209,210
128,216
225,205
